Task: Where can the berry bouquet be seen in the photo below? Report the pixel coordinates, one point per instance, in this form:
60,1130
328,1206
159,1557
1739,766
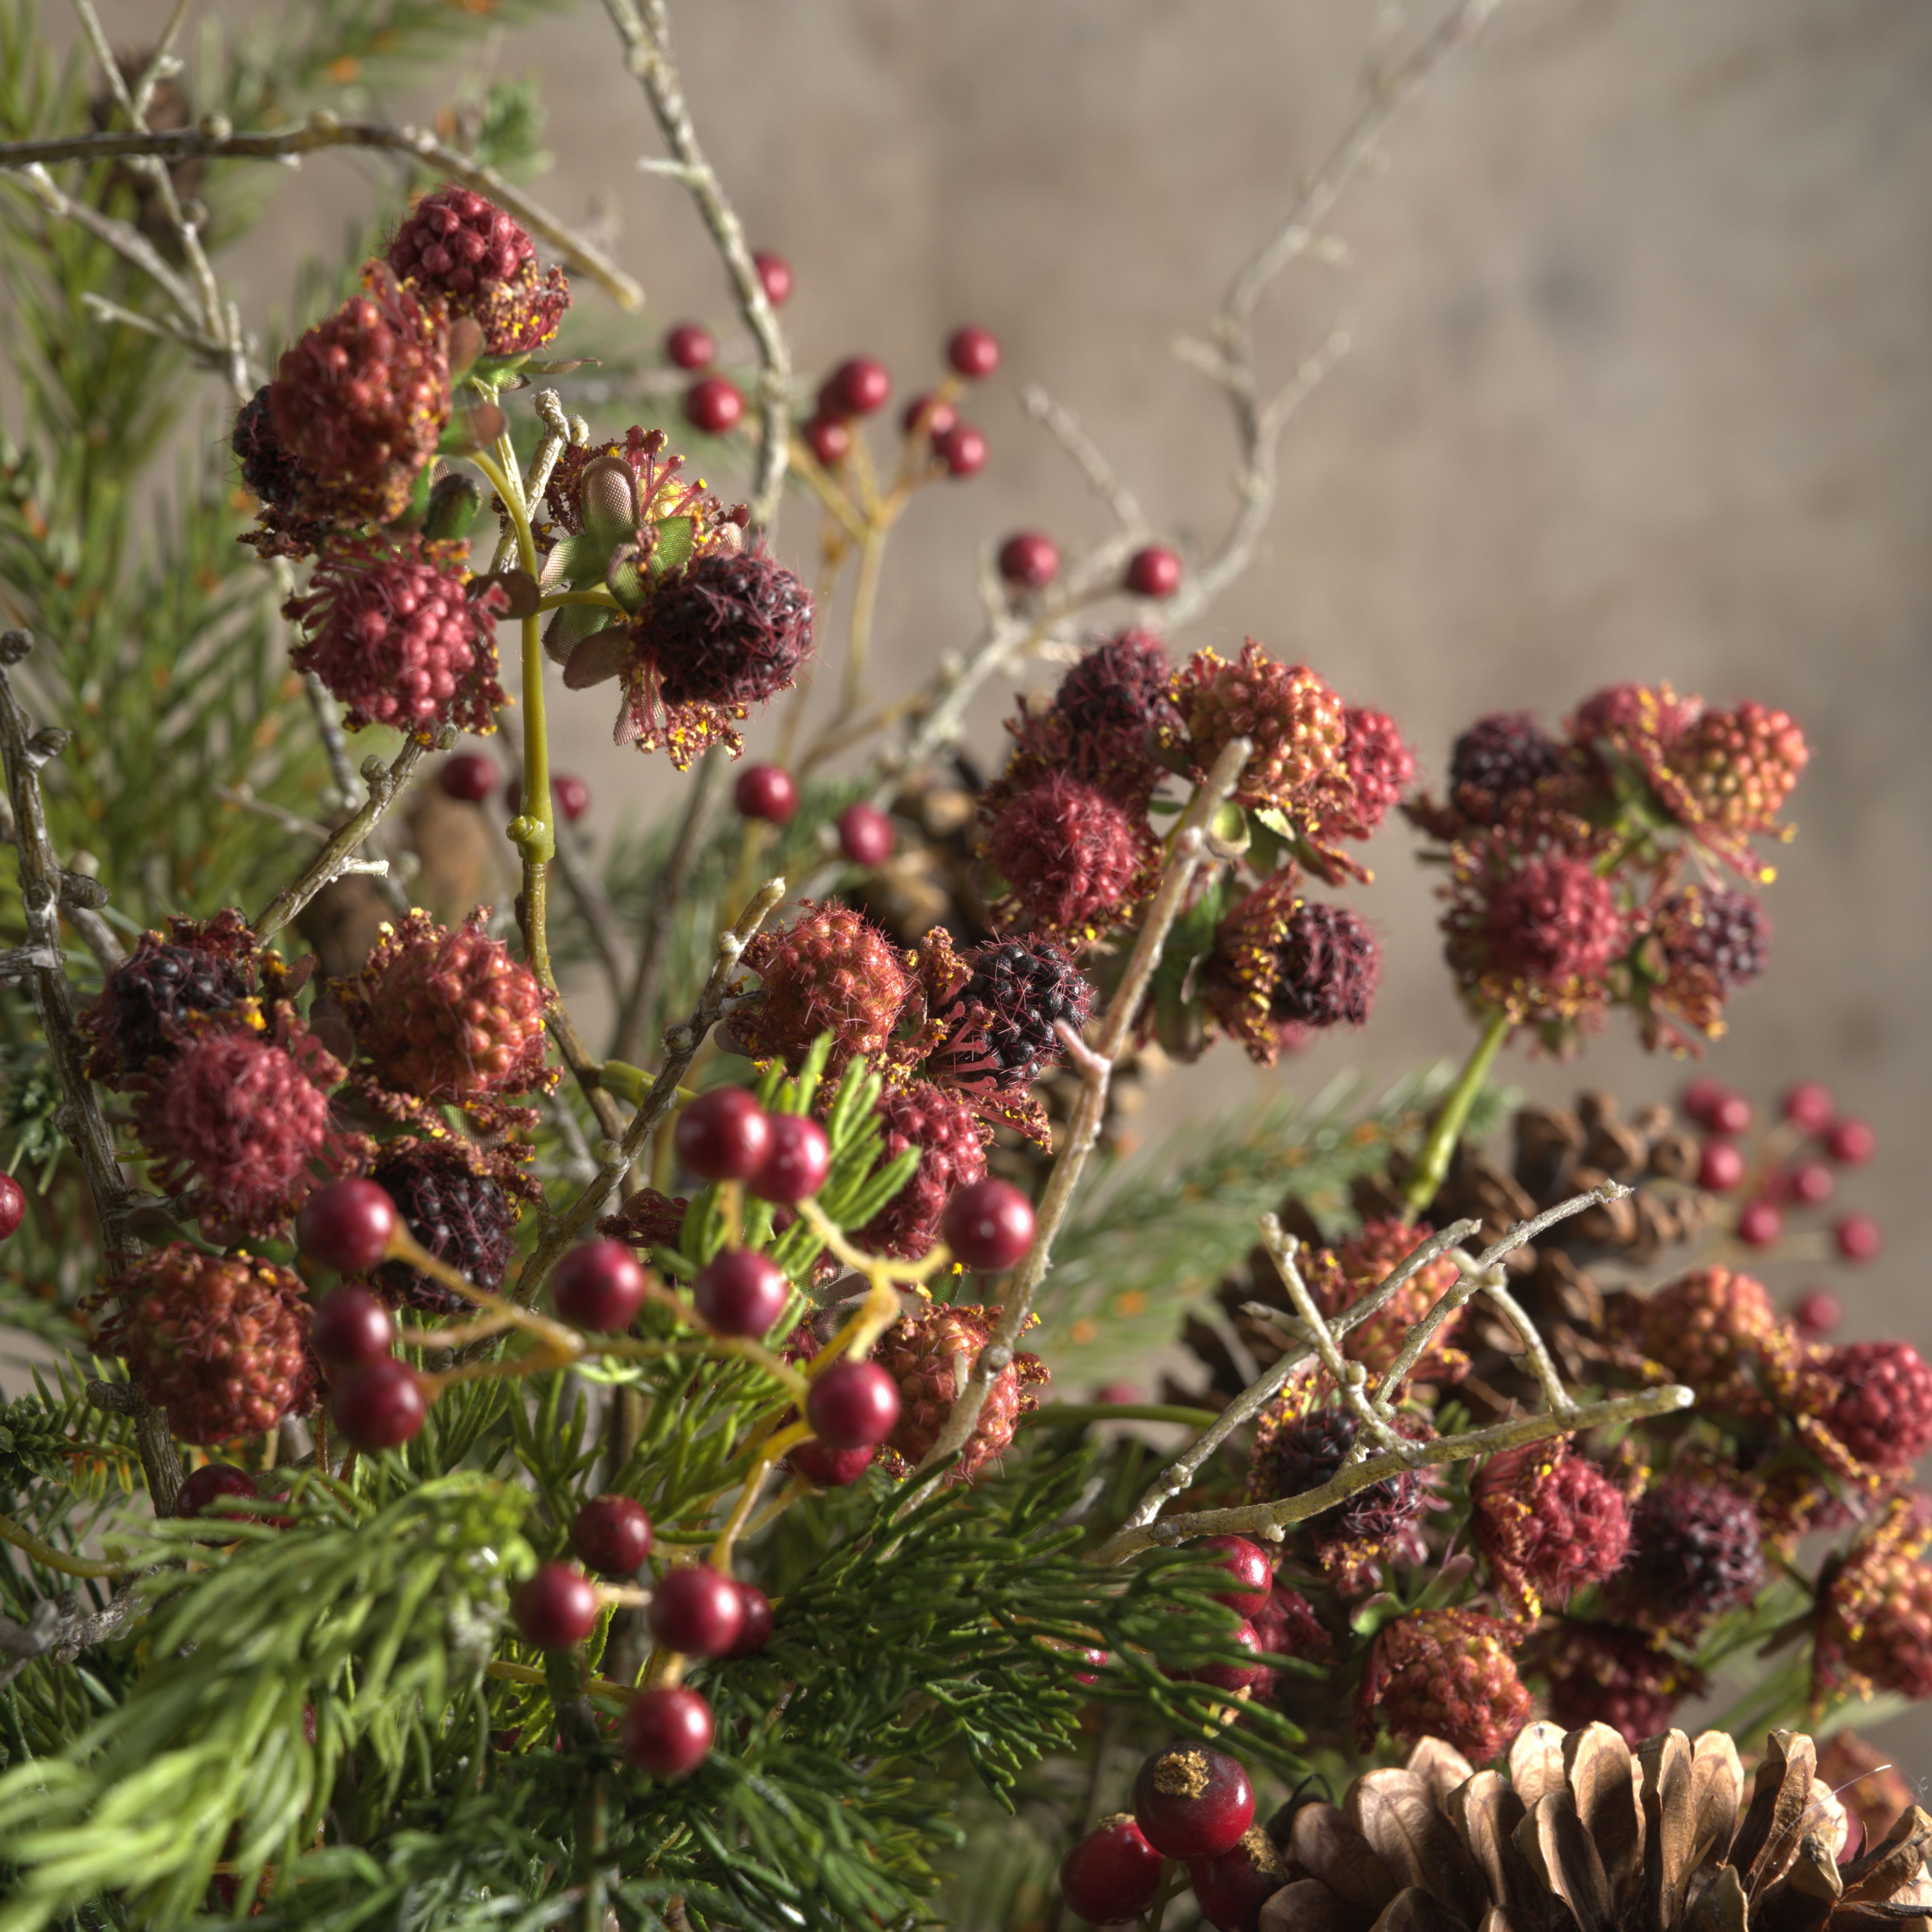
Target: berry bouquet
481,1481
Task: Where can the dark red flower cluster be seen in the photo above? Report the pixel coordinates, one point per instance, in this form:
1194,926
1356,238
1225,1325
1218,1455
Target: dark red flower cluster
1283,967
946,1130
1604,1674
1339,1276
924,1355
1001,1025
1075,858
147,1003
1549,1521
458,249
1874,1620
831,971
454,1205
1447,1674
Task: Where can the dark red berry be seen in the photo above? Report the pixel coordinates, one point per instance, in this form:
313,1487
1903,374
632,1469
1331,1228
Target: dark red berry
988,1225
828,1468
347,1226
769,792
852,1405
1858,1238
611,1534
1029,559
691,347
1818,1313
799,1160
1231,1888
599,1286
1809,1106
962,449
1851,1140
13,1205
755,1631
865,834
1248,1564
1113,1874
572,796
1232,1678
856,387
1760,1224
775,275
933,414
713,405
1154,572
666,1731
724,1135
555,1608
1721,1167
1812,1182
380,1407
200,1491
1191,1802
1700,1097
1729,1113
973,352
351,1329
470,776
828,439
740,1292
696,1609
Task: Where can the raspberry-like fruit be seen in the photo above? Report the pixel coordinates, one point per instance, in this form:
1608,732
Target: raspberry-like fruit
831,970
952,1154
923,1355
459,248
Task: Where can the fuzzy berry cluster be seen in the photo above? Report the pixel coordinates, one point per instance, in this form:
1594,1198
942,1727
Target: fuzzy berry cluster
1448,1674
456,248
925,1355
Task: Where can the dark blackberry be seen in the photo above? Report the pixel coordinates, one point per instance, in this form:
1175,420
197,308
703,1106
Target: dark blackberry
461,1217
1304,1454
143,1008
1694,1552
268,472
731,628
1121,684
1331,962
1019,990
1727,933
1501,757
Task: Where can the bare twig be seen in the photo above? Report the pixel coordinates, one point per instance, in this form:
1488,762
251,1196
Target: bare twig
61,1626
1063,426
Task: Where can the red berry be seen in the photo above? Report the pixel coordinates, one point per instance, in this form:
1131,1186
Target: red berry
572,796
1247,1563
800,1159
865,834
347,1226
470,776
1029,559
1809,1106
740,1292
724,1135
828,438
755,1631
1851,1140
1231,1888
769,792
1700,1097
973,352
212,1480
1117,1395
599,1286
987,1224
1191,1802
380,1407
1729,1113
691,347
1112,1875
1232,1678
713,405
1760,1224
13,1205
1154,572
1858,1238
1721,1167
962,449
852,1405
933,414
775,273
827,1469
611,1534
555,1608
1818,1313
352,1329
856,387
1811,1182
696,1609
666,1731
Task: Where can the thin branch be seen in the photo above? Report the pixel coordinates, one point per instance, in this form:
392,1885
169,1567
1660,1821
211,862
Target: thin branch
62,1626
1063,426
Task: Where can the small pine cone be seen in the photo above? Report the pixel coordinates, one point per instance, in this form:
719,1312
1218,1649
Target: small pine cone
221,1343
923,1355
1076,860
1875,1397
1531,937
952,1153
1340,1276
1499,763
1297,1449
1715,1330
1549,1521
831,970
448,1015
1875,1610
1869,1785
730,630
1738,767
1604,1674
1445,1674
1695,1552
395,634
461,1216
360,402
203,968
1376,767
1298,726
1003,1034
466,252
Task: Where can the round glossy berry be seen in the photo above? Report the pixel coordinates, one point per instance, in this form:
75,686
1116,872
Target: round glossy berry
774,276
599,1286
1760,1224
740,1292
988,1225
1811,1182
611,1534
380,1407
470,776
347,1226
1858,1238
200,1491
828,439
724,1135
696,1609
1231,1889
1818,1313
1851,1140
1191,1802
1248,1564
713,405
1721,1166
555,1608
1112,1875
932,414
1730,1114
865,834
1232,1678
799,1160
13,1205
666,1731
852,1405
828,1468
1700,1097
856,387
1154,572
962,449
572,796
769,792
973,353
754,1631
1029,559
1809,1107
351,1329
690,346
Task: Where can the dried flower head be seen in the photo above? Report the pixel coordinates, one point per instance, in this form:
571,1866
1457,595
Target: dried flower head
1298,726
952,1151
1875,1398
1875,1609
926,1354
1076,860
1283,966
1715,1330
454,1208
1500,764
1707,943
1695,1552
203,968
457,248
831,970
269,473
1119,688
1339,1276
1376,767
1445,1674
1549,1521
1298,1448
1001,1025
1606,1674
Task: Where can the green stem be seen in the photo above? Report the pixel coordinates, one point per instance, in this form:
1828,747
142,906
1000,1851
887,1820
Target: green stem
1432,1163
558,599
865,603
1059,1414
632,1083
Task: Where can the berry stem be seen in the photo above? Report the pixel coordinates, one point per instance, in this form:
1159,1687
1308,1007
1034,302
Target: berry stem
51,1559
773,1446
864,607
558,599
1432,1161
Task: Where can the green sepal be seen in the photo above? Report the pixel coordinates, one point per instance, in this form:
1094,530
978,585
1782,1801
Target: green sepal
471,429
676,539
454,502
1229,827
576,563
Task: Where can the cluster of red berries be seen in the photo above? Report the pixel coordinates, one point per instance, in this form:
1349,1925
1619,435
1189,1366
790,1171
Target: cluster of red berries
860,386
1030,560
769,793
713,404
471,777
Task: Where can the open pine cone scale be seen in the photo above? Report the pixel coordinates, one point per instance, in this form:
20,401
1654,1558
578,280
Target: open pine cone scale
1582,1834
